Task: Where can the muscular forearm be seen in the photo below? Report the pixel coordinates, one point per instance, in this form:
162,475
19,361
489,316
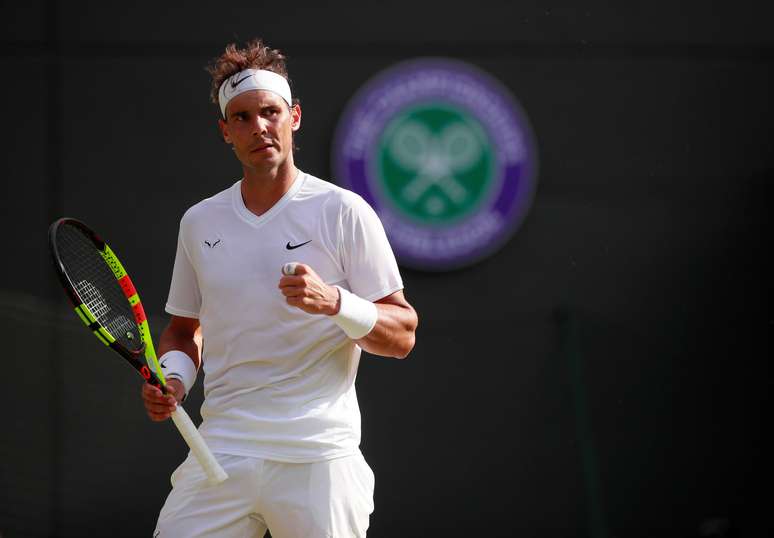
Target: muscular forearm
396,319
182,334
188,343
393,334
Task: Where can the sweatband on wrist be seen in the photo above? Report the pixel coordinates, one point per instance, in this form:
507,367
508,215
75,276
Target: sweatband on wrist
178,365
253,79
356,316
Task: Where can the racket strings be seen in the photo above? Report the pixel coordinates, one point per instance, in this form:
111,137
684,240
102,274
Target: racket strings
97,286
93,299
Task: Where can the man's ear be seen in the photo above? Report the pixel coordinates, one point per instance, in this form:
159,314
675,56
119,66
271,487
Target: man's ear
295,117
223,126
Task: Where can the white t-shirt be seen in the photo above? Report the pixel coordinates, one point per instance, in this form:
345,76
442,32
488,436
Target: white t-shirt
279,383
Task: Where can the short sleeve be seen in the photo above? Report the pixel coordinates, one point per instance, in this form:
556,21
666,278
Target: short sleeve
367,258
185,299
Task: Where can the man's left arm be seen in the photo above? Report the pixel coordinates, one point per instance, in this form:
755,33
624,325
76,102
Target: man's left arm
394,332
396,320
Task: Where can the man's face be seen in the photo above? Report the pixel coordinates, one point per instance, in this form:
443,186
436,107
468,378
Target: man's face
260,125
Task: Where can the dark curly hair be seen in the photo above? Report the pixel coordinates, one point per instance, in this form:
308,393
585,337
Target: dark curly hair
255,55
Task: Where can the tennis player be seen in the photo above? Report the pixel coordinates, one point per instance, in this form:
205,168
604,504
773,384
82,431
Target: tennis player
283,278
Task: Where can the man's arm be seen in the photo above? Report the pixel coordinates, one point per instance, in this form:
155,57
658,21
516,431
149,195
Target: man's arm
395,329
182,334
393,334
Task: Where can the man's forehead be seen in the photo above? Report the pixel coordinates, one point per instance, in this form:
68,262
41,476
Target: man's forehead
255,98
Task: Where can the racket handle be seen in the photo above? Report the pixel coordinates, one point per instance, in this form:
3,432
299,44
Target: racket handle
215,473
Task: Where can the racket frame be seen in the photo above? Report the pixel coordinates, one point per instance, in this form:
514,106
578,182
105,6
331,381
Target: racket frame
152,375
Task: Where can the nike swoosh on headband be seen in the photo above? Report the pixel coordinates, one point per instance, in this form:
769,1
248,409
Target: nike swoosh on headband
253,79
240,81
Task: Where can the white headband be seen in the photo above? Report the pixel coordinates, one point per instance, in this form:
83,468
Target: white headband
253,79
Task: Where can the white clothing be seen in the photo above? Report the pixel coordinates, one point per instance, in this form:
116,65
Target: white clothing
332,498
279,383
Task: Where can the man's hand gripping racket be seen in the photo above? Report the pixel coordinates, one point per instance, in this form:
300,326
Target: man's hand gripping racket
107,302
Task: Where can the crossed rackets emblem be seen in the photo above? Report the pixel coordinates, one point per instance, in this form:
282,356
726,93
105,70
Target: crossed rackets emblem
435,159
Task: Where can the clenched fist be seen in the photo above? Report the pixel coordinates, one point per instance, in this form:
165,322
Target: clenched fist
159,405
306,290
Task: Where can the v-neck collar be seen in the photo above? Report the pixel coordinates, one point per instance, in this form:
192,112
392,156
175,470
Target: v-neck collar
257,220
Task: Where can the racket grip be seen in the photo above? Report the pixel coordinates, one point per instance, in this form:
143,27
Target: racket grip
215,473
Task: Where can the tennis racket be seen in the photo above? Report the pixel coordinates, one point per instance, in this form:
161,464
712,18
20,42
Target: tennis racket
107,302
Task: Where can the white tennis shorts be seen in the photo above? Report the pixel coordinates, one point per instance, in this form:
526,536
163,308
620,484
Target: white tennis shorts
324,499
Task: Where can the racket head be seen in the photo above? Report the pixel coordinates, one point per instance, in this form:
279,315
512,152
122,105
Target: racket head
102,293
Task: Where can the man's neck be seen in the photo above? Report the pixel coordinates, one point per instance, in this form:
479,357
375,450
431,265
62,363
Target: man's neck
262,189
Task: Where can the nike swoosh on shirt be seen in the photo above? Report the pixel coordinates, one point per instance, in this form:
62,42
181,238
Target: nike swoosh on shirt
291,247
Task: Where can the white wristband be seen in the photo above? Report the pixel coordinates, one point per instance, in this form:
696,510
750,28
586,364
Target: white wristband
356,317
178,365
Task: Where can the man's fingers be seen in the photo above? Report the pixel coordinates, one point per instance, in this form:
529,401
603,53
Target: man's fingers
296,268
305,289
299,300
158,412
286,281
292,291
150,391
153,394
158,406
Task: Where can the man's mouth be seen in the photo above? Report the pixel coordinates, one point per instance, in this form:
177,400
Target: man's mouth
261,147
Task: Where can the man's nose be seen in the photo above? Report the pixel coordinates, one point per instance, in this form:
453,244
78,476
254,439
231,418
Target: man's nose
259,125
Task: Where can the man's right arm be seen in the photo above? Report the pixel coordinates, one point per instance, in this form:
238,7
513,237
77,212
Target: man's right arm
182,334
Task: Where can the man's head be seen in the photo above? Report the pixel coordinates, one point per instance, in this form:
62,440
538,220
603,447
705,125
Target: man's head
258,114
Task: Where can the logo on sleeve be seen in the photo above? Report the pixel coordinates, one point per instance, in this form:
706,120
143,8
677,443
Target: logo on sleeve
212,245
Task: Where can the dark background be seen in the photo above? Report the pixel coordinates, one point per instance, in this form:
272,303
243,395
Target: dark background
606,374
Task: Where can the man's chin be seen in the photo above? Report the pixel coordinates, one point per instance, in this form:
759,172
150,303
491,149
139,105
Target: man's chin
264,163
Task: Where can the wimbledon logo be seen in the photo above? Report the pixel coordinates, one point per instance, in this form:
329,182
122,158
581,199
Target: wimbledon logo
445,156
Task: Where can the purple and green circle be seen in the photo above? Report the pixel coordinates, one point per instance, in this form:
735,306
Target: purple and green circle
446,157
